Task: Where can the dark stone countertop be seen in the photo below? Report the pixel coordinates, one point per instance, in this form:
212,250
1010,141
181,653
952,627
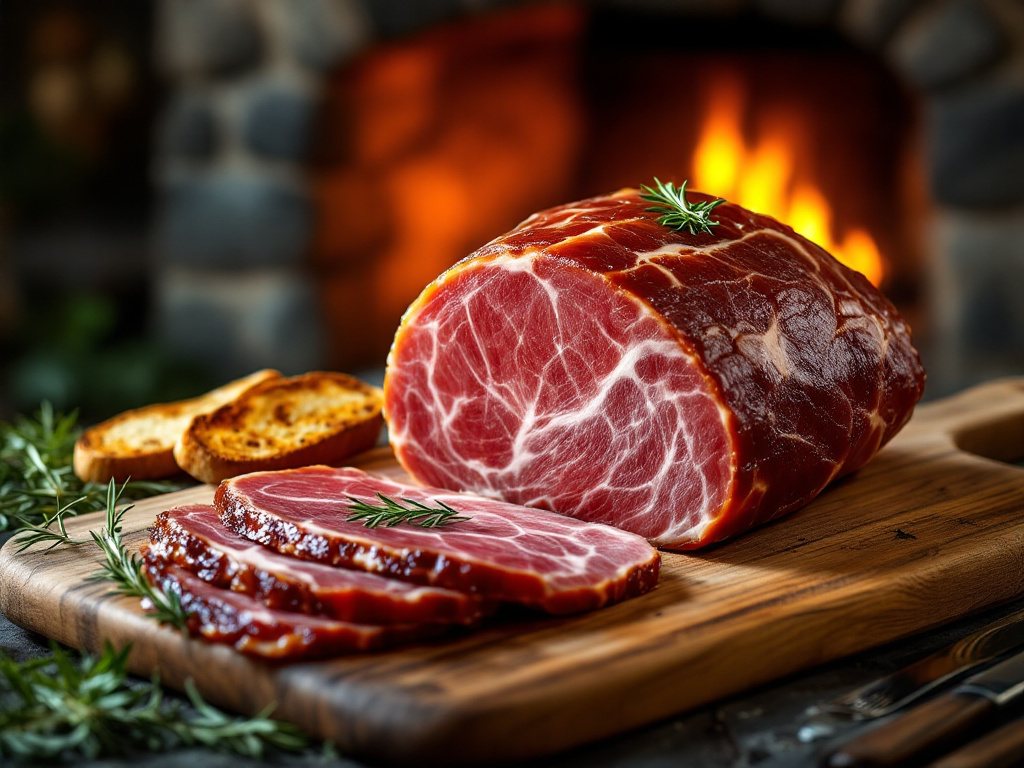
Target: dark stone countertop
759,727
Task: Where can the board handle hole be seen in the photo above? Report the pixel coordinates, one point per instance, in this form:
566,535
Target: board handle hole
999,440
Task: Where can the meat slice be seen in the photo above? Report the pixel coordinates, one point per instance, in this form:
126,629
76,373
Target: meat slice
192,537
222,616
503,552
684,387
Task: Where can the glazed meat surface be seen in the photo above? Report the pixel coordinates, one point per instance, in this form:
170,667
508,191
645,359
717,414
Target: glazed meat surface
682,387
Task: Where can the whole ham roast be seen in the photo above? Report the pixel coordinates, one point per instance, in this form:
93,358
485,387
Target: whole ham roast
685,387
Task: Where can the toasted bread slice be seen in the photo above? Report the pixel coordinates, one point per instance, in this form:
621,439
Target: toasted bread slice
315,418
140,443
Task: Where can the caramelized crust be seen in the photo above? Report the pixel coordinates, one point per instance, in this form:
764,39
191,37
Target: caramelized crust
193,538
222,616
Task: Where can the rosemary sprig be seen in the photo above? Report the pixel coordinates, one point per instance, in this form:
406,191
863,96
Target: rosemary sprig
120,566
53,708
37,533
36,474
124,568
677,213
391,513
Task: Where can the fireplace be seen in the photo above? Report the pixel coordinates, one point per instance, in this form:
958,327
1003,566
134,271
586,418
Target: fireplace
319,167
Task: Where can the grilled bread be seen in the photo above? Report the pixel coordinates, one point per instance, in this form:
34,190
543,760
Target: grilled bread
315,418
140,443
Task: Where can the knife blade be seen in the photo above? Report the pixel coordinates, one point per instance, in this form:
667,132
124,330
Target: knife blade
895,691
941,724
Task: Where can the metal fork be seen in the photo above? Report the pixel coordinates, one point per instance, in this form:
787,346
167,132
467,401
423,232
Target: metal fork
966,655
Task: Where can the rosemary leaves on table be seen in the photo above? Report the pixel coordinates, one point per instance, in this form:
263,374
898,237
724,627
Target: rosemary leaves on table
124,569
37,482
58,708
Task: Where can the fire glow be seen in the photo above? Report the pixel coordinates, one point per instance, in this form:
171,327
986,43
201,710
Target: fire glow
764,176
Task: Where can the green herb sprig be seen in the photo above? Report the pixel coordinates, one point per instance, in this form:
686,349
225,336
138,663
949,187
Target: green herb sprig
36,476
53,708
120,566
124,569
391,513
676,212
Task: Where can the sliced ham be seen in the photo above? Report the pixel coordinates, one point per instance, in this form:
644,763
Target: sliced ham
222,616
684,387
503,552
192,537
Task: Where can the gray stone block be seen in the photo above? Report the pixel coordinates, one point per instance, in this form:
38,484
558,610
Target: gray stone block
218,37
872,22
957,41
232,324
230,222
976,145
285,326
975,300
195,329
324,33
278,122
802,12
187,129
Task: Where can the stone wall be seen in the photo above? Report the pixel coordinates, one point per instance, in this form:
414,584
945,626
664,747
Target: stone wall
235,216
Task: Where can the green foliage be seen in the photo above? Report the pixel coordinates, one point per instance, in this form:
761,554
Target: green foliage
391,513
53,708
125,569
37,483
676,212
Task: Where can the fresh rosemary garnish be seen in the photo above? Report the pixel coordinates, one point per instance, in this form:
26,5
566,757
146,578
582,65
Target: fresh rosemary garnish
119,566
392,513
37,533
125,569
676,212
53,708
36,476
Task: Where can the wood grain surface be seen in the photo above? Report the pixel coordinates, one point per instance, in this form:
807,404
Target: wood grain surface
930,531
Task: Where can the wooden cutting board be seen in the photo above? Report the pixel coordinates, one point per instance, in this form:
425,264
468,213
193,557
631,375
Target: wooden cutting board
930,531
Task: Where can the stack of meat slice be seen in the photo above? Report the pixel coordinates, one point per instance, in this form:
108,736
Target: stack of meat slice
276,569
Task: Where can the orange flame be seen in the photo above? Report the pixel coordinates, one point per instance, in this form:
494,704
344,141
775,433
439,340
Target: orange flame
764,178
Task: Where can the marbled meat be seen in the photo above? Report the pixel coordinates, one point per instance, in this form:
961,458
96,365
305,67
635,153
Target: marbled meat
193,538
503,552
684,387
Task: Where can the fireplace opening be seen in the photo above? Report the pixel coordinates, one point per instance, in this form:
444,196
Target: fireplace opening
429,146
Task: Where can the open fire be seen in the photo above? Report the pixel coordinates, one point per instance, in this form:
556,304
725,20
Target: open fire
765,176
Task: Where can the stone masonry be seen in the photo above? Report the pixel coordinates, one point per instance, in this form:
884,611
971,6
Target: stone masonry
235,217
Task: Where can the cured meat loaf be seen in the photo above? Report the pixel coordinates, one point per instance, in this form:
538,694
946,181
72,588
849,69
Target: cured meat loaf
502,552
193,538
222,616
684,387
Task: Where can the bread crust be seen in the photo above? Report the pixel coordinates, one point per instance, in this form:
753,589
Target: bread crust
140,443
316,418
